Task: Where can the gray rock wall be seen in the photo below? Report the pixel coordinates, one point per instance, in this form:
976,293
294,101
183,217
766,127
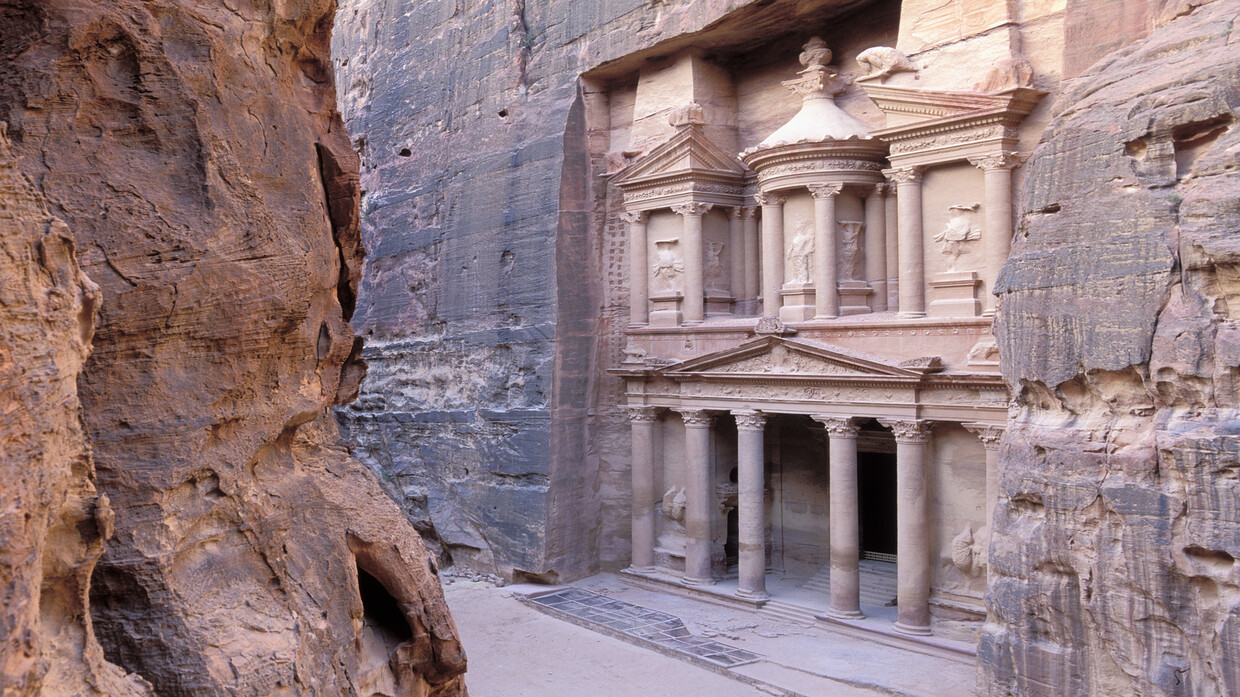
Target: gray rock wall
1117,530
482,302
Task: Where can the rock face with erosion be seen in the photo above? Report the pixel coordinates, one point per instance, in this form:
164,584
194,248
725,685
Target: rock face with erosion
193,153
1113,566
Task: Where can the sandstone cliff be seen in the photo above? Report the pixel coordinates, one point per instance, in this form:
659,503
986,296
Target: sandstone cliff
194,151
1117,530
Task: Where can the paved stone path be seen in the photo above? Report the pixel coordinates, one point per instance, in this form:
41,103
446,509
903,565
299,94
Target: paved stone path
658,628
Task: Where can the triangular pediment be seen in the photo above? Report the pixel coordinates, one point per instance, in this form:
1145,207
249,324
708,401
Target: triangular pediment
688,153
789,357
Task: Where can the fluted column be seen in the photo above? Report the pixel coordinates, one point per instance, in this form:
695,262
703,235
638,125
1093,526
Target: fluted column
891,203
749,216
876,246
845,521
826,282
751,504
912,533
699,492
736,257
639,289
911,253
772,252
695,292
997,234
645,493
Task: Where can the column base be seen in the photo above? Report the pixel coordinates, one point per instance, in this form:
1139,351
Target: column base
910,315
822,317
912,630
834,614
639,569
693,581
752,595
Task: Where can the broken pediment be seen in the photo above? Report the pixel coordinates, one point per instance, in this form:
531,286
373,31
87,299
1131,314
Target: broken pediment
773,355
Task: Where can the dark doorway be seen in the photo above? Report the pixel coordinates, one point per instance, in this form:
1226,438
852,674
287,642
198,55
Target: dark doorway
876,484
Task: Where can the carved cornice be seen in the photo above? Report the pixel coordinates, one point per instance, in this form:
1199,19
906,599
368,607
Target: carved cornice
988,434
1000,160
631,217
695,418
691,208
909,430
749,420
838,427
642,415
904,175
768,199
825,190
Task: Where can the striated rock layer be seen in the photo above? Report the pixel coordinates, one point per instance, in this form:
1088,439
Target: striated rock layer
194,150
1113,566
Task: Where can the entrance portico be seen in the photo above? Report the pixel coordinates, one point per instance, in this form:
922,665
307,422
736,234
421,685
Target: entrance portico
772,376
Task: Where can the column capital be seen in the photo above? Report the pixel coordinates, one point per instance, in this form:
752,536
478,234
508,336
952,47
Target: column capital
877,190
749,420
699,418
765,199
747,212
634,216
1001,160
692,208
838,426
909,430
904,175
988,434
642,414
825,190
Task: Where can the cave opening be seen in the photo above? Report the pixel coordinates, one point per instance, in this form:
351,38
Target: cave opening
380,610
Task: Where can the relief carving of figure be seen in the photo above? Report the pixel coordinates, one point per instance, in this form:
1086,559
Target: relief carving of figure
850,257
713,273
801,254
881,61
958,231
674,504
667,266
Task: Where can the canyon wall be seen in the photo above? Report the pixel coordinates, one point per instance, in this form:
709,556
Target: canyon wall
190,154
1113,565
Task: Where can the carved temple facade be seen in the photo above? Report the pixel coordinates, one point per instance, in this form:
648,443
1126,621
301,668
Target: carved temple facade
809,370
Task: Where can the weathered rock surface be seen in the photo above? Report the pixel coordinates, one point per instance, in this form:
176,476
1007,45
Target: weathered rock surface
484,303
194,150
1113,566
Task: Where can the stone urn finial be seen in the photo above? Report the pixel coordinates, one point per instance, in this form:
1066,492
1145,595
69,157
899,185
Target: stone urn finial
815,55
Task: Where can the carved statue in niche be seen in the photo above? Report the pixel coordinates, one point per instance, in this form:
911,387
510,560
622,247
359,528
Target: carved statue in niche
801,254
958,231
667,266
850,257
881,61
713,273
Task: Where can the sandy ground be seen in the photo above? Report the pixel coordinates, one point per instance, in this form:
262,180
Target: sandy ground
516,651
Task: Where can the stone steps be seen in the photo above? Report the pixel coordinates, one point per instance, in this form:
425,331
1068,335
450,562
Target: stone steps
878,583
788,612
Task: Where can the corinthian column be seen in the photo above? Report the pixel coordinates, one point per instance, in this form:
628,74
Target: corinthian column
912,256
691,220
639,291
772,251
644,491
699,492
826,283
893,245
876,247
989,435
749,215
997,235
736,247
845,523
751,504
912,534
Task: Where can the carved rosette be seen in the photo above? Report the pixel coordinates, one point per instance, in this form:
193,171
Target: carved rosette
1002,160
749,420
825,190
691,208
632,217
642,415
695,418
838,426
904,175
909,430
765,199
988,434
